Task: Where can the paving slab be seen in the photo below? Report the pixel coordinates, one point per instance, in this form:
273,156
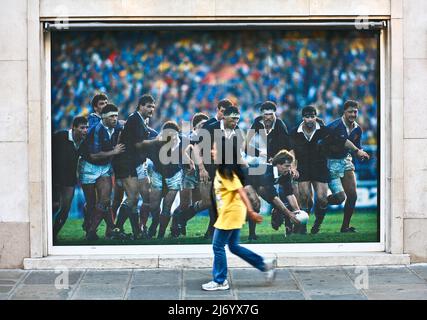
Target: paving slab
200,274
7,282
12,274
107,277
40,292
420,270
100,292
273,295
193,287
385,277
47,277
254,280
320,281
208,296
156,277
338,297
154,293
402,294
5,289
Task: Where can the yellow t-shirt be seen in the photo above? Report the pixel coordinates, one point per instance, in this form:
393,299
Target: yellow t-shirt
230,207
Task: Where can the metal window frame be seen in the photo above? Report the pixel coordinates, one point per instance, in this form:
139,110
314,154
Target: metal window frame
361,25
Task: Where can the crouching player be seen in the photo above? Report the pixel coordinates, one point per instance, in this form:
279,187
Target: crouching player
283,161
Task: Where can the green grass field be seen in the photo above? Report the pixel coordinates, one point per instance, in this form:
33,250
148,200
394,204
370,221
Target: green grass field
365,222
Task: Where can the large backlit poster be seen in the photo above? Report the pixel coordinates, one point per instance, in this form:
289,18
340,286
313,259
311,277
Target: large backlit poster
118,98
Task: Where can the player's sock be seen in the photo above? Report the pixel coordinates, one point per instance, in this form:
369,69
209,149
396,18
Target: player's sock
164,221
174,225
252,228
348,213
108,218
122,215
144,213
320,215
98,215
212,219
133,218
185,216
154,223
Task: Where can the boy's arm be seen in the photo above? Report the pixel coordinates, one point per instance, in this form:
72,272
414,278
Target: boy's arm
257,218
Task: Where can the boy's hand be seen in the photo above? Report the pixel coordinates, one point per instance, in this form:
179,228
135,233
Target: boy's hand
254,216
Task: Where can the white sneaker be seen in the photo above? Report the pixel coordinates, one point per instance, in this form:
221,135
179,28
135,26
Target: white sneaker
213,286
270,269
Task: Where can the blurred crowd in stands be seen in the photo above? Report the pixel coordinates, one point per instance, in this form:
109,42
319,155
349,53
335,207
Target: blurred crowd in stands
190,71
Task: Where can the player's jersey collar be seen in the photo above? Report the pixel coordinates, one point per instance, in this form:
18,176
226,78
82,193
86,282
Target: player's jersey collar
109,131
70,138
312,134
146,121
349,131
272,127
228,136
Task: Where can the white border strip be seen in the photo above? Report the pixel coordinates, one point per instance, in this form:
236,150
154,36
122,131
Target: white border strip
48,141
383,149
75,26
207,249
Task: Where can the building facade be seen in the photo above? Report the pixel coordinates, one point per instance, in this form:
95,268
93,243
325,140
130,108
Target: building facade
25,101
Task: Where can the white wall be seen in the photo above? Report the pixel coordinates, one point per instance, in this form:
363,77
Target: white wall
13,116
415,127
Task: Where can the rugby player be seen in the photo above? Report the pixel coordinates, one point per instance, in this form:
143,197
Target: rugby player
165,175
272,136
65,155
228,135
129,166
340,162
190,195
283,161
307,140
99,101
95,169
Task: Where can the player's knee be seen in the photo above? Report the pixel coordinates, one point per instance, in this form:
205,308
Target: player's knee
103,205
322,202
132,202
268,193
165,213
352,197
336,199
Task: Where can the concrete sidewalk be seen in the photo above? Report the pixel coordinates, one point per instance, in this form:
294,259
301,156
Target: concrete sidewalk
391,282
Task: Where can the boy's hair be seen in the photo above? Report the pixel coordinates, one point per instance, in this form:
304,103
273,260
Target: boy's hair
98,97
110,107
283,156
77,121
351,104
198,117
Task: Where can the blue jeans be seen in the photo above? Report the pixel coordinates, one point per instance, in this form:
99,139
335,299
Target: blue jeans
231,237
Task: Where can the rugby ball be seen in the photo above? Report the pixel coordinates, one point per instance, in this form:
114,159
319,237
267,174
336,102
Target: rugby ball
302,217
